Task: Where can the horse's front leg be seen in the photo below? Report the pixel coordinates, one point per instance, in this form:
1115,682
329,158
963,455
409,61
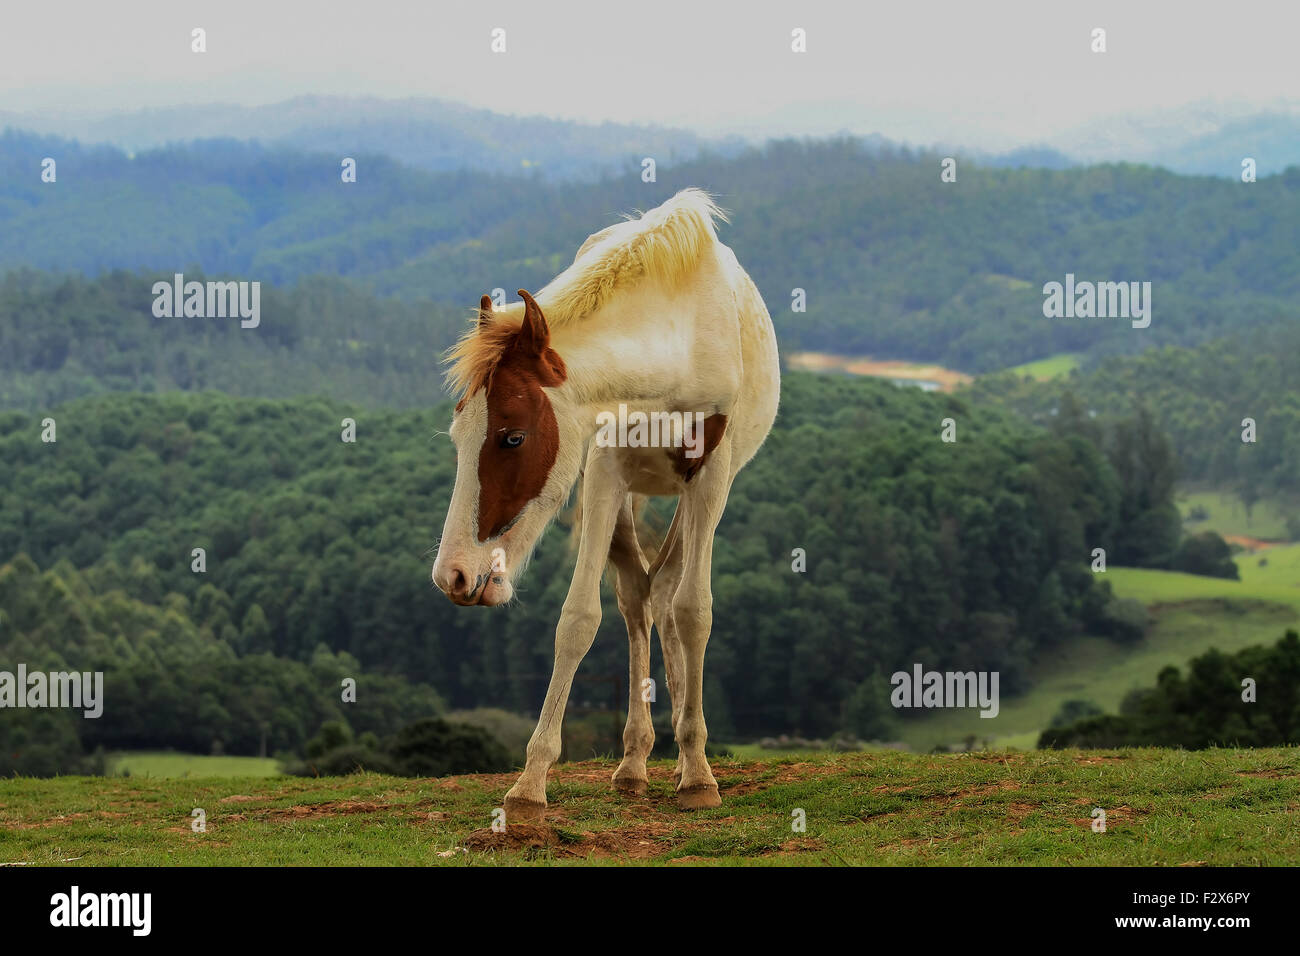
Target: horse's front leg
603,492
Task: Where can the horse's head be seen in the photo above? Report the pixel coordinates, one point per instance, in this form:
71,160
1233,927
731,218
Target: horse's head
516,459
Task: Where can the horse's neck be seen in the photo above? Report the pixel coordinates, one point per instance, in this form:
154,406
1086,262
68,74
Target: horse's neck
633,360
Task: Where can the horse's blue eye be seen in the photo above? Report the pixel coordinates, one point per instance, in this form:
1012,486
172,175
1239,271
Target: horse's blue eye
514,439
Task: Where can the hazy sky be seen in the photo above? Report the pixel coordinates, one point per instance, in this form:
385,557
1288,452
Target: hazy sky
985,74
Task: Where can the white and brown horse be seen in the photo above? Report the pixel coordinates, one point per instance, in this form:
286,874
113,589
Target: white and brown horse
656,315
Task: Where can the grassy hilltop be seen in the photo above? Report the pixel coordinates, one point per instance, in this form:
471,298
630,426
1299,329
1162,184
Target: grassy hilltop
1166,808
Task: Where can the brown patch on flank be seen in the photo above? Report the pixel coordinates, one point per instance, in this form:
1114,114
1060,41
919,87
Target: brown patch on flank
714,427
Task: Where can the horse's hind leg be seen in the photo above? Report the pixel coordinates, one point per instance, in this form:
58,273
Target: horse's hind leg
633,588
701,504
665,576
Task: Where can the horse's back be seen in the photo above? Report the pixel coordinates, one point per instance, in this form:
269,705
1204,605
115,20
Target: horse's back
759,391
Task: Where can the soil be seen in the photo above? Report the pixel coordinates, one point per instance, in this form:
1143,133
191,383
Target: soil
946,378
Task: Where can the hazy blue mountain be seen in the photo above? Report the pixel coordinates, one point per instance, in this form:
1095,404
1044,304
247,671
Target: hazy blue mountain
1201,139
1271,139
424,133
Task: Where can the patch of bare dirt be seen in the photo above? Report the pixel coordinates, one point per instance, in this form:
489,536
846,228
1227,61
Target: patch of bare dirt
1251,544
637,842
785,773
1272,774
64,819
888,788
1018,811
1121,814
333,808
946,378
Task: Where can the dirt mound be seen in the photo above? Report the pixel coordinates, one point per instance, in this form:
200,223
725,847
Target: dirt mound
637,842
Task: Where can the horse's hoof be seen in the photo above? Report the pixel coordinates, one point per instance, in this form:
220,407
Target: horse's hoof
703,796
632,786
524,811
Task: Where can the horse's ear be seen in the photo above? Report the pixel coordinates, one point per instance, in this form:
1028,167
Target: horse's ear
484,312
534,335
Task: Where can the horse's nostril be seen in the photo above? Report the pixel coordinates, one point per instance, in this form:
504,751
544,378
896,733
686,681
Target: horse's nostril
452,580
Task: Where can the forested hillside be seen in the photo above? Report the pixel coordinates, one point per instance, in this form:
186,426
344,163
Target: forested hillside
893,261
1200,398
1212,706
178,672
965,555
65,336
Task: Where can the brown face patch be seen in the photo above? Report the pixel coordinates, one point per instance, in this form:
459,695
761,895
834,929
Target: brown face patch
522,439
714,426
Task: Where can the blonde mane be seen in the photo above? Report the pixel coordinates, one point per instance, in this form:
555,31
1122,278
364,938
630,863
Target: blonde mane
664,244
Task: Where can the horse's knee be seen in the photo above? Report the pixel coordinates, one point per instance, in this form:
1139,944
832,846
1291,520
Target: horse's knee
693,613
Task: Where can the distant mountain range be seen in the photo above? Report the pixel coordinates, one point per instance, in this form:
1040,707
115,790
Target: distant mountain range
442,136
1202,140
427,134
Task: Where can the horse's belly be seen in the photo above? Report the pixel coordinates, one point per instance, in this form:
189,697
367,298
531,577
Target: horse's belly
651,471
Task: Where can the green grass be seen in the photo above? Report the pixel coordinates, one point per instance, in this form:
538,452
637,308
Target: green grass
1275,583
1276,569
1167,808
1190,613
166,764
1227,515
1054,366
